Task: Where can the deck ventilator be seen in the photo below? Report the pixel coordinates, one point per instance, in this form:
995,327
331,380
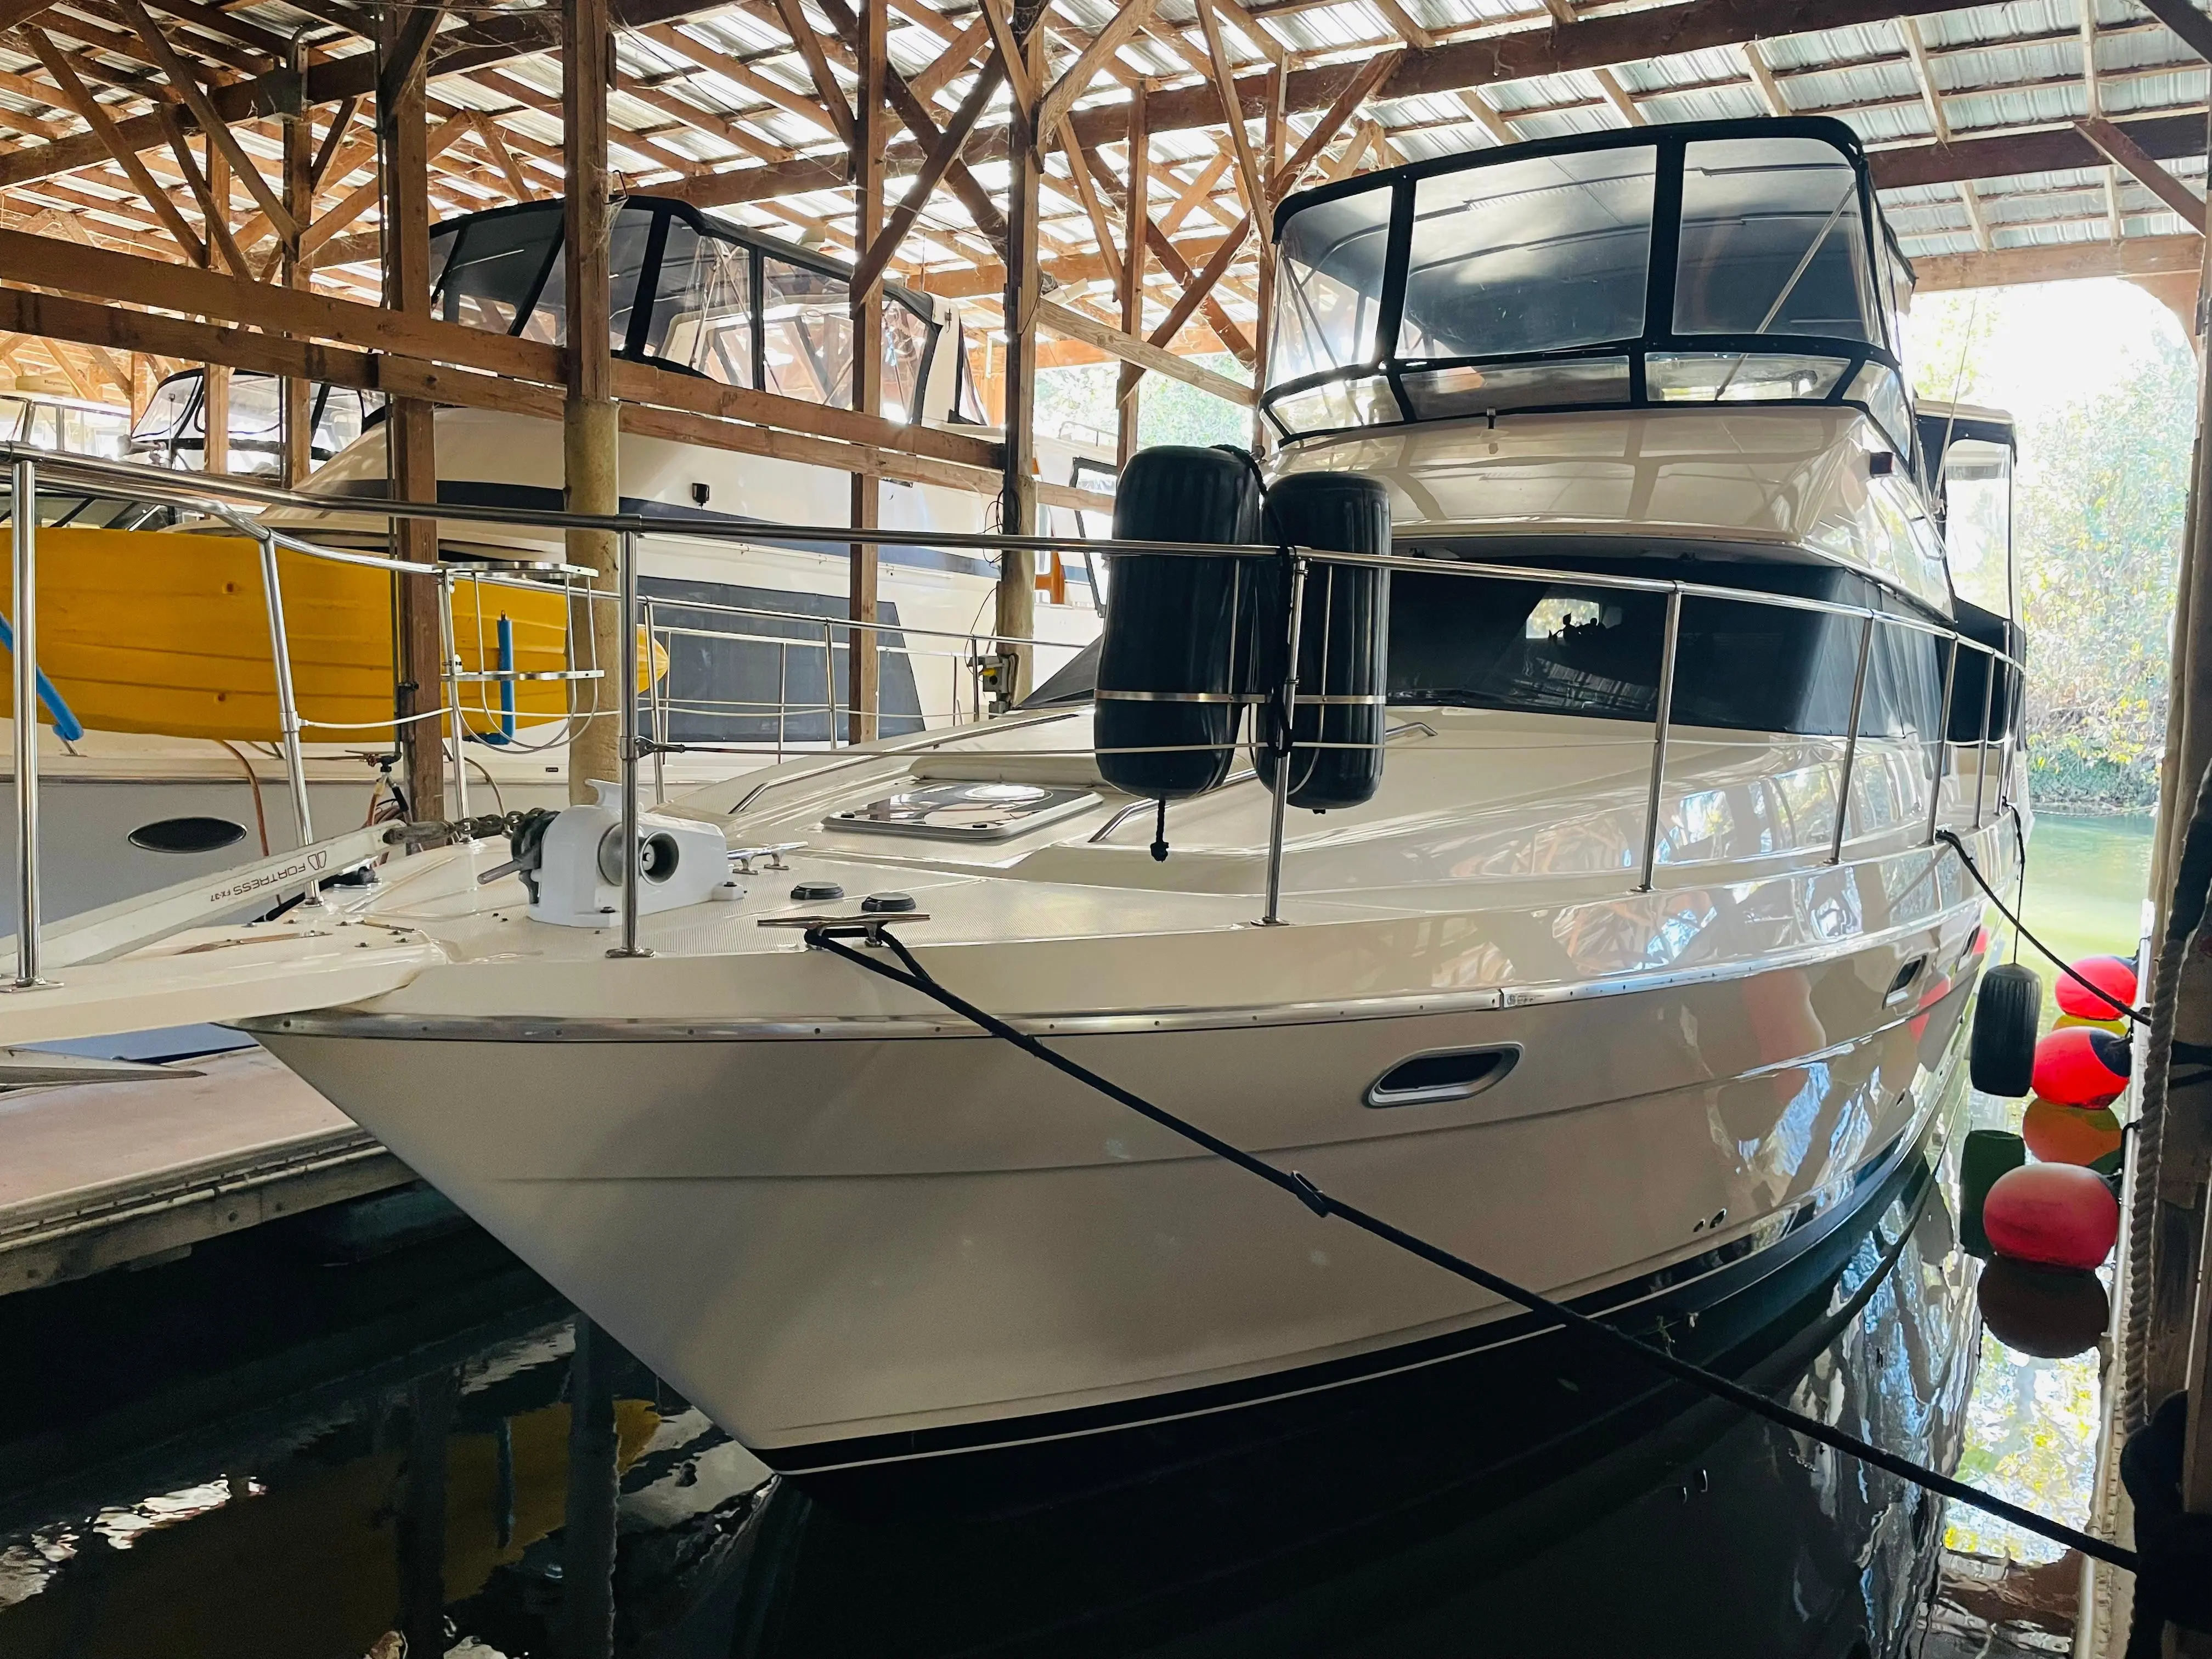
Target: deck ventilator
826,934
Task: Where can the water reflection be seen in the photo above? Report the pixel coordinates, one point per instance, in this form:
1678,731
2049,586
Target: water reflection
245,1454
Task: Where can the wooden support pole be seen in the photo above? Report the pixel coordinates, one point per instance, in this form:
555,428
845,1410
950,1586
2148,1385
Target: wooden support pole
1017,610
410,440
215,383
590,433
1275,142
1137,215
297,456
871,128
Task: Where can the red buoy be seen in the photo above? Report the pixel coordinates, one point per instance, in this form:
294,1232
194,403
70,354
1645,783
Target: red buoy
2080,1065
2054,1215
2070,1134
2114,976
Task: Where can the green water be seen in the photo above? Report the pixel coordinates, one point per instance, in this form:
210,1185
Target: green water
2087,880
2031,1426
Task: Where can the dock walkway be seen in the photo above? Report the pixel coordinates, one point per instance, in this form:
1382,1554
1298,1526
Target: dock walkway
95,1176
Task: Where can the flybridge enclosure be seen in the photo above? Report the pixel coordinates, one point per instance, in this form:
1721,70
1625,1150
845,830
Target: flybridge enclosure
698,296
1722,261
1966,463
173,430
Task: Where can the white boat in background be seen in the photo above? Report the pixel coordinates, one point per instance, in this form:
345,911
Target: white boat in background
750,664
1624,961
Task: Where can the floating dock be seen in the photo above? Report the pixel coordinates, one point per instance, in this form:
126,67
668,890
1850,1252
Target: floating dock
138,1171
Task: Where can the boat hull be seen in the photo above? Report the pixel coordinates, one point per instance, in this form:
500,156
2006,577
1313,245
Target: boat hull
862,1252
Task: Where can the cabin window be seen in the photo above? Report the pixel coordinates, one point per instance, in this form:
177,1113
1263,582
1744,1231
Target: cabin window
968,403
1330,285
906,360
1530,256
1466,389
629,245
806,333
1773,241
703,308
496,267
1977,495
1481,642
1729,377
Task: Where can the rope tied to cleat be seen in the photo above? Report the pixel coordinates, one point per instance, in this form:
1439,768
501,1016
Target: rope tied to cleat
829,935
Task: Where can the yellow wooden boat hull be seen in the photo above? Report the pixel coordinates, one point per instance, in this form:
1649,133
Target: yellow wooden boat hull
168,635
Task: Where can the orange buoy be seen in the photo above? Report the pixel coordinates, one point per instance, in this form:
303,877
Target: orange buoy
2114,976
2070,1134
2054,1215
2049,1313
2081,1067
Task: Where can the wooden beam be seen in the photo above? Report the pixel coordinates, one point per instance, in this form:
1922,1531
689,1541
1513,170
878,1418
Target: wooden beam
870,126
1086,190
296,398
817,65
1617,95
118,150
2058,149
1137,215
1248,169
2122,152
213,214
742,73
1016,614
1225,326
2190,25
366,195
884,243
319,169
1924,76
1076,325
1367,84
955,60
1000,19
1103,46
1762,77
218,129
590,435
410,433
2069,262
1195,292
502,157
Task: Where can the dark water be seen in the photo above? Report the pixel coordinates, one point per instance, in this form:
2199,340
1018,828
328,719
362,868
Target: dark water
250,1453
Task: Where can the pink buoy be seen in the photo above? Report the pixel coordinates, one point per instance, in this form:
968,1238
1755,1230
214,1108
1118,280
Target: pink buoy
2114,976
2055,1215
2080,1065
2043,1312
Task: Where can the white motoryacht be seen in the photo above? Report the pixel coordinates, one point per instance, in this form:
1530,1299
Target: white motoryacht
1630,969
747,662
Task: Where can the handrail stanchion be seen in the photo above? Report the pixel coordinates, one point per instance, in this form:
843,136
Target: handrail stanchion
782,693
2004,744
626,727
830,679
456,722
1982,748
1273,917
287,704
1942,740
1661,724
1851,742
25,509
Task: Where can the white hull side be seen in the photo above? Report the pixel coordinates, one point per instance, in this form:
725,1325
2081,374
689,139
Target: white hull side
818,1241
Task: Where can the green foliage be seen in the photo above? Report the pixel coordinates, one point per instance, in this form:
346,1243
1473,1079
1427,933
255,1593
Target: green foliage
1168,411
2099,522
2099,509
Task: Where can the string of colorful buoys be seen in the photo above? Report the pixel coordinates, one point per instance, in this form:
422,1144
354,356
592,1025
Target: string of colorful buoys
2046,1226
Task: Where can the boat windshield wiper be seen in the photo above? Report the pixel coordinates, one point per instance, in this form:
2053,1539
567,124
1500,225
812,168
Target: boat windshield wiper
1789,287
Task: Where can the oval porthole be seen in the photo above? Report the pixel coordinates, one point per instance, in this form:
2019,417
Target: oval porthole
1446,1074
193,834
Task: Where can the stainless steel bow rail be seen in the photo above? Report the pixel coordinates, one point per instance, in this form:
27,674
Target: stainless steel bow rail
827,936
223,498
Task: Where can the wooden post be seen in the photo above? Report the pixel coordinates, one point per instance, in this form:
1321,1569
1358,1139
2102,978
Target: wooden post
299,396
871,130
410,454
215,401
1136,214
586,1627
589,429
1017,614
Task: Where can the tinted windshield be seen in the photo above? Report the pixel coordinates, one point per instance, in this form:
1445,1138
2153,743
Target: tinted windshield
1529,282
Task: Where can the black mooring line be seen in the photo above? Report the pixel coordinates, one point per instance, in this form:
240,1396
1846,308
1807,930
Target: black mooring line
917,978
2133,1015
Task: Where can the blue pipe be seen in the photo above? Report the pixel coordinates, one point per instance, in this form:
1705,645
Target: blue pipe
506,685
66,726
